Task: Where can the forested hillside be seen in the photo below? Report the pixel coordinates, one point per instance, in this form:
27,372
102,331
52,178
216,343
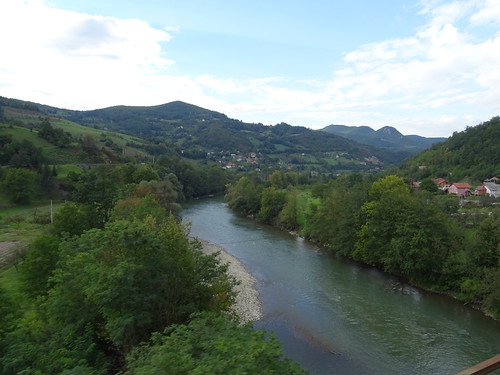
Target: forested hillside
473,154
194,128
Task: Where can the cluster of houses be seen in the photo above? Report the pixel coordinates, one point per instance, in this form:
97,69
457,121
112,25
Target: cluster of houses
488,187
239,160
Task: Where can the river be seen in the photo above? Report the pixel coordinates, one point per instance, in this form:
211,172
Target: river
334,316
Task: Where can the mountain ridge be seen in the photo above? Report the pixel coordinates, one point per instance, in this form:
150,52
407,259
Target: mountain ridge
195,132
386,137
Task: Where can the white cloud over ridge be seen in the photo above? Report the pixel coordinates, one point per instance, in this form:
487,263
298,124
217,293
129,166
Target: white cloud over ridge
443,78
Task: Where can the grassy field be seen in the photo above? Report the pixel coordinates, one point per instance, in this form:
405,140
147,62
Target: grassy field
64,169
56,155
20,133
306,200
25,223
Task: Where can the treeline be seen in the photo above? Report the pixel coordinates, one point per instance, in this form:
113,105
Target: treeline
28,177
427,239
117,287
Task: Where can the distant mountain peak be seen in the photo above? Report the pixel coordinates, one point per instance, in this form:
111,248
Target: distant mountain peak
386,137
390,131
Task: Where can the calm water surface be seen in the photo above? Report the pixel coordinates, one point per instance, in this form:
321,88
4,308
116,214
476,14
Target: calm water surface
334,316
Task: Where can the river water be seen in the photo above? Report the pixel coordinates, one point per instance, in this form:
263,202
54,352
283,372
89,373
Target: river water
334,316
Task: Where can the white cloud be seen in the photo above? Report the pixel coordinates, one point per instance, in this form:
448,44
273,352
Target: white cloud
81,57
82,61
490,14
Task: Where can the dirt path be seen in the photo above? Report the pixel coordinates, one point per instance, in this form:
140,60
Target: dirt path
9,250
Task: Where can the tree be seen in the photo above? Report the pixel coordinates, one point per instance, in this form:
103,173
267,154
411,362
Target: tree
211,344
163,191
272,202
337,219
144,173
23,154
40,262
135,208
288,217
429,185
217,180
278,179
134,278
244,196
20,184
401,234
55,136
71,218
97,189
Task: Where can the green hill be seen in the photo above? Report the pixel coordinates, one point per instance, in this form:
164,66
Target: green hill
82,144
471,154
198,131
189,131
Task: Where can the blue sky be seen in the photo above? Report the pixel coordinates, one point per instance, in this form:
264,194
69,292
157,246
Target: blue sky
426,67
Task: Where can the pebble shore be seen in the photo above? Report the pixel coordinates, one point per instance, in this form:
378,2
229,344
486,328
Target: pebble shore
247,305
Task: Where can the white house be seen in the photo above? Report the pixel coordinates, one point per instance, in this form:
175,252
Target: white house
492,189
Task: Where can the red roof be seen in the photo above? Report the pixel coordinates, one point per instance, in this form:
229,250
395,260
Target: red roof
438,180
461,185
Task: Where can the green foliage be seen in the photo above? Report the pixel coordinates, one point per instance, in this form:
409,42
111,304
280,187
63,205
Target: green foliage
144,173
136,278
39,264
163,191
71,218
97,189
192,179
21,185
8,314
289,215
272,202
244,196
403,235
211,344
56,136
112,288
337,219
428,185
19,153
135,208
492,292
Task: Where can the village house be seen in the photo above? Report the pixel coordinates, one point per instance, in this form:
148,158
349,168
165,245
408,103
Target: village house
480,190
493,179
461,189
441,183
492,189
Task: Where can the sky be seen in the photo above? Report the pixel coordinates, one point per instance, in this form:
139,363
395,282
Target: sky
425,67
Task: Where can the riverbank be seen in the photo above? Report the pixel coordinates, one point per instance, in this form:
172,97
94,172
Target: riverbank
247,305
